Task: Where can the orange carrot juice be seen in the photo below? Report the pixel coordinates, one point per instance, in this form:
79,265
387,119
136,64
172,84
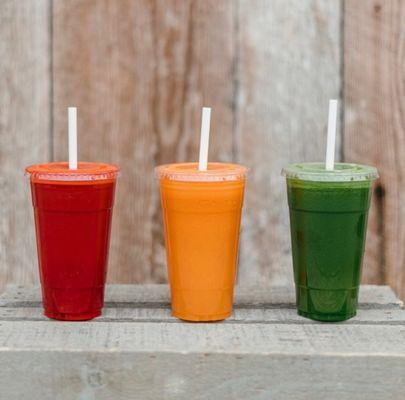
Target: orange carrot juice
202,213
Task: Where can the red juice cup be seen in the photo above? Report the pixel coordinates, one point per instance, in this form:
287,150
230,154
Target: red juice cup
73,210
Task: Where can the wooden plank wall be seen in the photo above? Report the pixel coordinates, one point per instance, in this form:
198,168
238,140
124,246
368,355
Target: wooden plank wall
25,130
374,130
289,63
140,71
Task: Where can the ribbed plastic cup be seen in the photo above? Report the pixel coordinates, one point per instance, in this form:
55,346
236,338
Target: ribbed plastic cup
202,213
328,219
73,211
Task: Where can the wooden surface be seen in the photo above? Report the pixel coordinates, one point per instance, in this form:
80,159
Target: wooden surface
375,126
139,73
136,350
25,135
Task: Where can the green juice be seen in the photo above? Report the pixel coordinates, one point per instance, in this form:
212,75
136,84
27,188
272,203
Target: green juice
328,219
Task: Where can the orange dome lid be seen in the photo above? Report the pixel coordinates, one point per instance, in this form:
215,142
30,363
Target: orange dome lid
59,171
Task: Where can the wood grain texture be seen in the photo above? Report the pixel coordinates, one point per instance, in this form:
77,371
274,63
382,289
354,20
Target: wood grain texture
167,376
375,127
139,352
24,129
195,59
104,64
157,315
370,297
238,338
151,303
139,73
289,67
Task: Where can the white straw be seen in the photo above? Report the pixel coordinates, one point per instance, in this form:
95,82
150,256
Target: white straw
72,121
330,144
204,138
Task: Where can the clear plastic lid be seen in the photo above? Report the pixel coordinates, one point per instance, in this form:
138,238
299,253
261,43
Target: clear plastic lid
343,172
59,171
216,172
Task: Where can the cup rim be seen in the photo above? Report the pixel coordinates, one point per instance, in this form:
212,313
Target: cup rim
189,172
343,172
59,171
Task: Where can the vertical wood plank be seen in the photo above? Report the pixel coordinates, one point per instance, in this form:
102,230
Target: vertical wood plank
289,67
139,73
104,64
195,64
24,129
375,126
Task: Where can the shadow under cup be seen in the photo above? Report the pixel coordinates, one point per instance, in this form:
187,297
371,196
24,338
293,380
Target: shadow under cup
73,211
202,213
328,220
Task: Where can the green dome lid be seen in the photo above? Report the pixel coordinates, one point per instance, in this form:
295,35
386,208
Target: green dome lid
343,172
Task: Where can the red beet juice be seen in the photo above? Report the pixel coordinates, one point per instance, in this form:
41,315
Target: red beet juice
73,211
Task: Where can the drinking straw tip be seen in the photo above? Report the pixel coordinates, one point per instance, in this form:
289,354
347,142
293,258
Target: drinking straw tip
331,138
204,138
72,132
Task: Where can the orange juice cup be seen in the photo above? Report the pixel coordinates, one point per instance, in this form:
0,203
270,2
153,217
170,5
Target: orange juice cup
202,213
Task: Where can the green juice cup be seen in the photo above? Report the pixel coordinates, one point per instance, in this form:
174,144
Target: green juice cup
328,219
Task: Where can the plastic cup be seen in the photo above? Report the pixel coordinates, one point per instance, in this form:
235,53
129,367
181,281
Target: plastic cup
73,210
328,219
202,213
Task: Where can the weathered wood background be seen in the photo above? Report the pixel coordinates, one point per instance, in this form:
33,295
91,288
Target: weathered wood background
139,73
